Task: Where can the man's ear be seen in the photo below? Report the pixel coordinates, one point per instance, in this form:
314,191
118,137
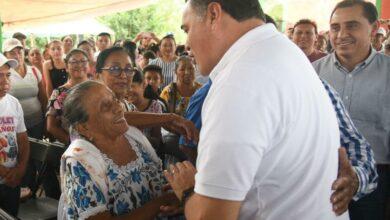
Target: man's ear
214,13
374,28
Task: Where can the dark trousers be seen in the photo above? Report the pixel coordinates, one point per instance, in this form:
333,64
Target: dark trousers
9,199
373,206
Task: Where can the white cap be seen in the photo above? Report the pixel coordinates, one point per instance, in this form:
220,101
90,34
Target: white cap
10,44
4,60
382,31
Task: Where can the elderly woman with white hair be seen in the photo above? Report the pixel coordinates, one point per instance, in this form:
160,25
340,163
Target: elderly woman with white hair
111,170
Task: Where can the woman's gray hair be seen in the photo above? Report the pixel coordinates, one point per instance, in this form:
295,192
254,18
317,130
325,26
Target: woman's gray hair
182,58
74,110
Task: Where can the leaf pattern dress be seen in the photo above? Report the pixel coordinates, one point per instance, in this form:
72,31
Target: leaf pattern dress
93,183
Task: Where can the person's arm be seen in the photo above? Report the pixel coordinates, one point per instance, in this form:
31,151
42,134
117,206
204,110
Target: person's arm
191,153
171,122
154,37
202,207
46,74
138,37
53,126
42,96
359,153
14,175
148,211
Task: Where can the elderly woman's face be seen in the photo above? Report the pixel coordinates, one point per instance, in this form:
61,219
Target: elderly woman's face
185,72
117,83
35,56
105,113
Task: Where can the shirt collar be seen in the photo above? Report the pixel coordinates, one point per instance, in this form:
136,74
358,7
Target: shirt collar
365,62
255,35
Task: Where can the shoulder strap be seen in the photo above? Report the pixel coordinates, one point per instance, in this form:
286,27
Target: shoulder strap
35,73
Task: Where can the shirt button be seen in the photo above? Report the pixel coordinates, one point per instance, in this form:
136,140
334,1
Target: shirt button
346,97
349,75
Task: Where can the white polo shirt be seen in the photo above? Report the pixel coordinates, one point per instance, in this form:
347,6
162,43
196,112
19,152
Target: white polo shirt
270,134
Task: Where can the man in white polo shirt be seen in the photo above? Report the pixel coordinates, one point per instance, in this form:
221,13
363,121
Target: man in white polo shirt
268,145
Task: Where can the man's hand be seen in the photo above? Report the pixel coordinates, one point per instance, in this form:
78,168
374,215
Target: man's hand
181,177
179,125
345,186
14,176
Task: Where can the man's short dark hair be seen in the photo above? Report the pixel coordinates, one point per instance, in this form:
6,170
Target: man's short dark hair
369,9
306,21
270,20
104,34
240,10
19,36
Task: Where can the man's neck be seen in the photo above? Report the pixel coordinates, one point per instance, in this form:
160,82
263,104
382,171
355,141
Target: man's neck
232,33
350,62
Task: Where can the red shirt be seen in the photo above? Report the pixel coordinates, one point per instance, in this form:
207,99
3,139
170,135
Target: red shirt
316,55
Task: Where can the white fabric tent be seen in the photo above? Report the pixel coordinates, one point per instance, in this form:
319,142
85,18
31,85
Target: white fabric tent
85,26
18,15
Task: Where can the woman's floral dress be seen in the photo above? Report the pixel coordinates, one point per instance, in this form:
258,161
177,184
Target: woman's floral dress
89,189
55,105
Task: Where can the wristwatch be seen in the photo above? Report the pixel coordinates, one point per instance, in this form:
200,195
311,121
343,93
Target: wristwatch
186,195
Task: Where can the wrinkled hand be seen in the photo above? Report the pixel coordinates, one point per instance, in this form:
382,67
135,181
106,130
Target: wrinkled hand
179,125
181,177
345,186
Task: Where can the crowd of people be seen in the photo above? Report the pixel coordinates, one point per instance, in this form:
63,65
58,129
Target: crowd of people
292,126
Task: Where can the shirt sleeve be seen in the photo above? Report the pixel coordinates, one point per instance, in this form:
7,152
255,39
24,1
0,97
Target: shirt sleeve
20,127
358,149
232,145
83,197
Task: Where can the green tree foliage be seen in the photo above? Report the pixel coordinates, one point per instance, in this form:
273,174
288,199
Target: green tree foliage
162,17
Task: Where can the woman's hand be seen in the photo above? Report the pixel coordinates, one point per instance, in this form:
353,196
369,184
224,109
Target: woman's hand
181,177
179,125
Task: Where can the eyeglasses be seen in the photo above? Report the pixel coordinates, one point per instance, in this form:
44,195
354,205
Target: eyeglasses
78,62
116,70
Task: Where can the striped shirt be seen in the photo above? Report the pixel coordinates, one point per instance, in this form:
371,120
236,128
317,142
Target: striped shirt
358,149
365,92
168,71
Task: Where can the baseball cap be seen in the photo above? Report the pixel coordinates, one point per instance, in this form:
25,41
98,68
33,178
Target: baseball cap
10,62
10,44
382,31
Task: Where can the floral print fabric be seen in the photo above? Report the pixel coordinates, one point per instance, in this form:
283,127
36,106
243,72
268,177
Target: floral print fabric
128,187
56,104
172,96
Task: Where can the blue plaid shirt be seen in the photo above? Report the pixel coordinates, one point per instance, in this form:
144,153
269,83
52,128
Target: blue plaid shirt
358,149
